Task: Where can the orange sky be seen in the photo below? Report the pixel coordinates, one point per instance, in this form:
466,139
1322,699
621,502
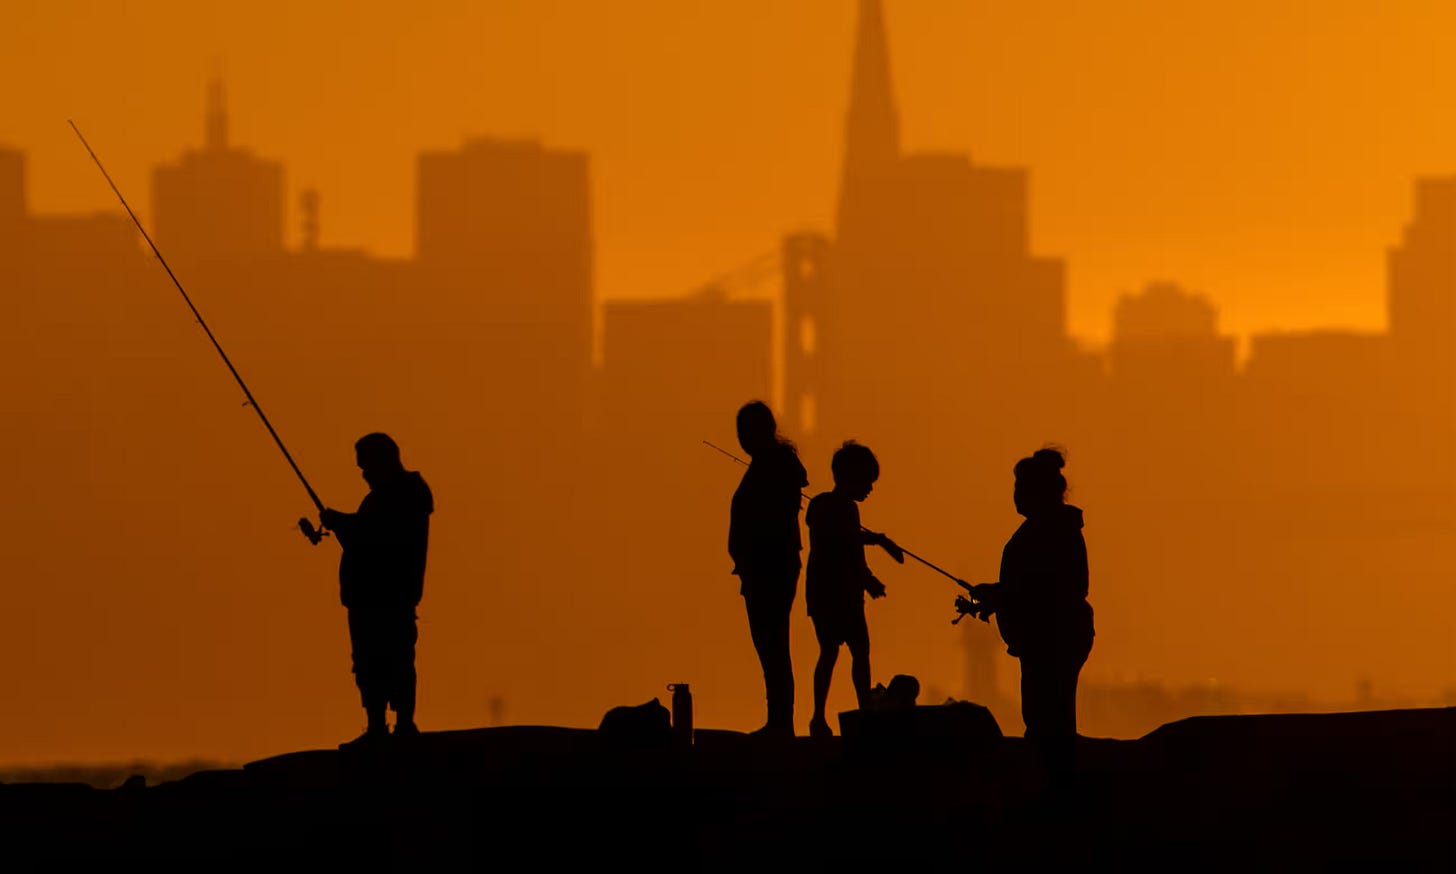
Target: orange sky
1261,153
1264,158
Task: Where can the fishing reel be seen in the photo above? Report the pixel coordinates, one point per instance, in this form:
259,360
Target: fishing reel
313,534
977,605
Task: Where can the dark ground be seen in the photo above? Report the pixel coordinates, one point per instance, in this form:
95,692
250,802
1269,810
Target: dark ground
1359,790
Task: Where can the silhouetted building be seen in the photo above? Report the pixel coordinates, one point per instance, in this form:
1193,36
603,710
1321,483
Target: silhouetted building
679,364
308,208
12,187
56,251
1422,306
929,307
503,234
1307,379
1324,363
931,253
872,123
12,211
1168,336
930,263
512,220
1422,272
218,204
108,240
65,254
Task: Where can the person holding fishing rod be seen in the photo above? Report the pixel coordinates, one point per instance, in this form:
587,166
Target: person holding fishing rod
764,543
1041,605
381,579
839,577
382,571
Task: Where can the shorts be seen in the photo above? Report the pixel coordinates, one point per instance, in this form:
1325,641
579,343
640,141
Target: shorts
845,627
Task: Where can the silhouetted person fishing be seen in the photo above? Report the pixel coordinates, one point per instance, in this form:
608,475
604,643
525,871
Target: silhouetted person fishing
764,543
381,579
1041,605
838,576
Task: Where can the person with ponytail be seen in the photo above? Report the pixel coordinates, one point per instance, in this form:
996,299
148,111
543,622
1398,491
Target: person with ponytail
1041,604
764,543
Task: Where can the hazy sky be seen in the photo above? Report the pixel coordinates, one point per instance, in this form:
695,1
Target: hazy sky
1260,152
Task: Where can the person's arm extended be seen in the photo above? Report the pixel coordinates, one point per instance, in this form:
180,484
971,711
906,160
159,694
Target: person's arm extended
875,538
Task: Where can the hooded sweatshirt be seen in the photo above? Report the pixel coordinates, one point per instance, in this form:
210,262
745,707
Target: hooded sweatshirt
763,529
1043,605
385,543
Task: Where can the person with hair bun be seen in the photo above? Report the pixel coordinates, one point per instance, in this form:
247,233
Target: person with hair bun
1041,604
764,543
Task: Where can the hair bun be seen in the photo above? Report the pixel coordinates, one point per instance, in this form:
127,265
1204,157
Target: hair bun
1050,458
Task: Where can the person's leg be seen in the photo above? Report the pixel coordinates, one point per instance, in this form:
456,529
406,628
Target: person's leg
1049,708
823,674
402,691
1061,746
364,650
1033,696
1063,699
859,652
778,661
762,611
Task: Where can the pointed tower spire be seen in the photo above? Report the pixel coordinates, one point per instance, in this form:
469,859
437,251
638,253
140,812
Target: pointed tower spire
216,127
872,124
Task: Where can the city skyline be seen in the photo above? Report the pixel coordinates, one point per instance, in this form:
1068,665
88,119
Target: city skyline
987,98
271,173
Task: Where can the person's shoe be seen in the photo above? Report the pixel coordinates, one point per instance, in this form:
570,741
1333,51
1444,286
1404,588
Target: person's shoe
406,730
820,728
372,738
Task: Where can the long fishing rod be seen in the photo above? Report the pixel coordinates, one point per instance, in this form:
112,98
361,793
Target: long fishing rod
930,564
303,524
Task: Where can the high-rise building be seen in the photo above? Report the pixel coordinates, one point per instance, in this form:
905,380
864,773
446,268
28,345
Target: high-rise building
872,126
933,324
511,220
503,231
930,274
1422,272
1422,306
504,275
218,204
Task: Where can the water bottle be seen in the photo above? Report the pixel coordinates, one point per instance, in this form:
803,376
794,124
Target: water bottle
682,714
